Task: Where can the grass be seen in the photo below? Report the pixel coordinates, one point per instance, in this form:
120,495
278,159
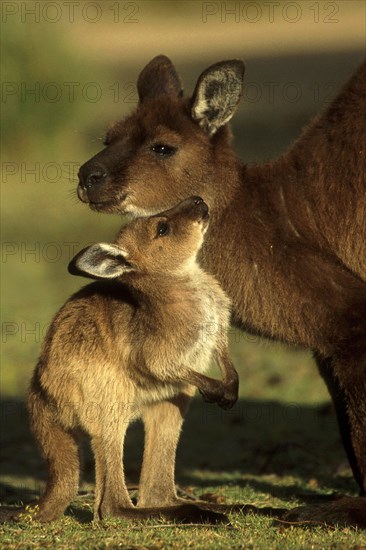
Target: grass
280,445
250,533
262,452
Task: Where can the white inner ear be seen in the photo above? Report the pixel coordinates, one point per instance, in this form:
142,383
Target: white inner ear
104,260
201,103
101,269
222,103
113,250
108,268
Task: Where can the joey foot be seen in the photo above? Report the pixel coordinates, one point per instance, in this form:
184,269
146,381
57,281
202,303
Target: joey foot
191,513
184,513
243,509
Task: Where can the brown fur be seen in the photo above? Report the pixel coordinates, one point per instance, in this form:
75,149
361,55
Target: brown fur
287,239
119,348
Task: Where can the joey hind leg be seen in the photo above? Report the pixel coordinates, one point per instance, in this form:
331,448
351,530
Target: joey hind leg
111,494
60,449
162,424
157,493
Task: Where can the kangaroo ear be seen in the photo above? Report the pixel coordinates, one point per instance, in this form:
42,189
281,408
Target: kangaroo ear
217,94
158,78
100,261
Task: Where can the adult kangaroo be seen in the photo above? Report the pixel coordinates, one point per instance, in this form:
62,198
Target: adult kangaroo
287,239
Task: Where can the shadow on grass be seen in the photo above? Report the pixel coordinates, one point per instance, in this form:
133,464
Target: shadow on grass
242,447
81,515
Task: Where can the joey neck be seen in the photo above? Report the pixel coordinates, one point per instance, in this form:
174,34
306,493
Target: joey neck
159,287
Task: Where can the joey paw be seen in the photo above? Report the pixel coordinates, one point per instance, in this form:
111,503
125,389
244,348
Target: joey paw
214,394
231,394
227,401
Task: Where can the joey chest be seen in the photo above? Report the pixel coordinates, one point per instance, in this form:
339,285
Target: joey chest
207,326
193,327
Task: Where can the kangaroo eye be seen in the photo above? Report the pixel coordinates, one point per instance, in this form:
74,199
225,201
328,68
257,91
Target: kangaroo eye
163,229
163,150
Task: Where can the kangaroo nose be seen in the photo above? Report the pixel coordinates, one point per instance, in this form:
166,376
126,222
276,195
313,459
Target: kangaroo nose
91,176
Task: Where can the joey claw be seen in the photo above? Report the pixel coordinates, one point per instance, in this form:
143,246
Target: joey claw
231,394
228,401
210,397
206,397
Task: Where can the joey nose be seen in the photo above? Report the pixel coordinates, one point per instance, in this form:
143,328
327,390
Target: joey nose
200,207
197,200
88,177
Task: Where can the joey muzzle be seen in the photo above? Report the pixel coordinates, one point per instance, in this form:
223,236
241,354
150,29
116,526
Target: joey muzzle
193,208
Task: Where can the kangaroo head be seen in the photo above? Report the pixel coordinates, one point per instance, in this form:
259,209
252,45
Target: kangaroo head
165,243
169,148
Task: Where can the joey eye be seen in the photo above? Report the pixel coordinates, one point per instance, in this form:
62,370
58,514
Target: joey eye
163,150
162,229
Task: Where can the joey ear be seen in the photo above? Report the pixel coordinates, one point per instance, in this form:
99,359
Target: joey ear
100,261
217,94
158,78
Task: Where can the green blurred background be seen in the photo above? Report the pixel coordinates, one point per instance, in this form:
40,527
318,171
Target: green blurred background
70,70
